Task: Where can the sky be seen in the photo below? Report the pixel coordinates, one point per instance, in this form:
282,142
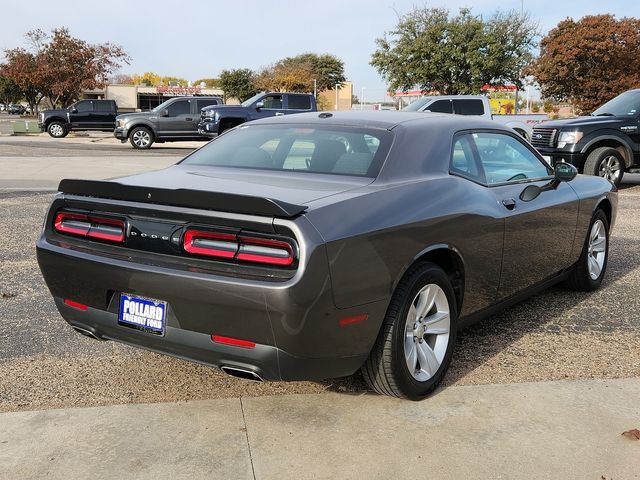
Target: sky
197,39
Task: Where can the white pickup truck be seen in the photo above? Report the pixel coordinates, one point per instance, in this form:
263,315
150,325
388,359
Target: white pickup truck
476,105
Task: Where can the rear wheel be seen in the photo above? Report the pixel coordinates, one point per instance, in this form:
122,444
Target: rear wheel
605,162
592,264
141,138
415,344
57,130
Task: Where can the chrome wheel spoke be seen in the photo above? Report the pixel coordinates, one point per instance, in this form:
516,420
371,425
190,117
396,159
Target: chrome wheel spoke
599,244
412,357
426,298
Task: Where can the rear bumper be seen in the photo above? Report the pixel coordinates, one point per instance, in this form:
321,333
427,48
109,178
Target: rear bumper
294,323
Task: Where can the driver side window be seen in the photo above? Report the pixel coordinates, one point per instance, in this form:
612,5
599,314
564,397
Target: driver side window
272,102
506,159
84,106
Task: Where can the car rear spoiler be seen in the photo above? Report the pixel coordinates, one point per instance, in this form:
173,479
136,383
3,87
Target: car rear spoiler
225,202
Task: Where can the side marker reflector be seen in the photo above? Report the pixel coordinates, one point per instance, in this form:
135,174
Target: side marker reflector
355,319
235,342
76,305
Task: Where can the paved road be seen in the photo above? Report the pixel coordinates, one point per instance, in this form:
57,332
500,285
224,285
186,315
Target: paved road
43,364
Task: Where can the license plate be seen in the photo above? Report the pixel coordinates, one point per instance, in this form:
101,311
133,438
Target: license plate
142,313
547,159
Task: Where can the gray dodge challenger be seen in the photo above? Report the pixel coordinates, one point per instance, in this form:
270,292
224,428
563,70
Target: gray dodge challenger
313,245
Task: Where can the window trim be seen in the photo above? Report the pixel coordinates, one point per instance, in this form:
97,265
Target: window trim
514,135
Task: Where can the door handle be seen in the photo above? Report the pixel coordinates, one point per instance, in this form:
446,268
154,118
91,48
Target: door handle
279,114
509,203
189,119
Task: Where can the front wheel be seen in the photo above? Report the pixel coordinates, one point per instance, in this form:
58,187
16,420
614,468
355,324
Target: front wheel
605,162
57,130
588,273
415,344
141,138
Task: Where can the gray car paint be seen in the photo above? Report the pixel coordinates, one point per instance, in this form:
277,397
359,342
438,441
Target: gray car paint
356,239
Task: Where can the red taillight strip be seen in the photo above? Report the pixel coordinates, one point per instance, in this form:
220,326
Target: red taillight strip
266,250
261,258
236,342
191,236
90,226
76,305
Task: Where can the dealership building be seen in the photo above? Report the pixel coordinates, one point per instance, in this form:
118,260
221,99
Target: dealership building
131,98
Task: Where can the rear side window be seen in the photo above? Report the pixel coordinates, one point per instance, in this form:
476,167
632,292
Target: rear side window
463,160
299,102
207,102
104,107
468,107
335,150
440,106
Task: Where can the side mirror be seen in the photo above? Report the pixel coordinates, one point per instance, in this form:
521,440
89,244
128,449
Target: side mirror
74,110
562,172
259,105
164,112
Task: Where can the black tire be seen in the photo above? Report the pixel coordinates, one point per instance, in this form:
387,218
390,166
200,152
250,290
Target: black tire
141,138
386,371
600,161
57,129
581,278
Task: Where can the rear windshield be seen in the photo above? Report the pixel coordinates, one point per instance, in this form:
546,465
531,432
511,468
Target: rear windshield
333,149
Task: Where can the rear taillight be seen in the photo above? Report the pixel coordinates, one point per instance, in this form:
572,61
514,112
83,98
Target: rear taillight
243,247
90,226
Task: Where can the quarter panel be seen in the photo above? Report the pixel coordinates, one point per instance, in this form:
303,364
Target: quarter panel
372,239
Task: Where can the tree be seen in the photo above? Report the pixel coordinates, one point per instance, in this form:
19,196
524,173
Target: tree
69,66
149,78
22,68
296,74
589,61
239,83
434,51
60,66
9,91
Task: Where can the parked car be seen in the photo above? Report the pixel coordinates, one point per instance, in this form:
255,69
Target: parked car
16,109
606,143
172,121
84,115
216,119
476,105
309,247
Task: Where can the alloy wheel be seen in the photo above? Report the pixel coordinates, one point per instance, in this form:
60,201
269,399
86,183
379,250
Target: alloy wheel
141,138
597,250
56,130
610,168
427,328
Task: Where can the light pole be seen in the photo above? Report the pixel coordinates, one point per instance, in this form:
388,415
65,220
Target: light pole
362,97
337,87
315,88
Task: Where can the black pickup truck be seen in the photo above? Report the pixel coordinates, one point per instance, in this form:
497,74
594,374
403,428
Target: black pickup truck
606,143
217,118
97,115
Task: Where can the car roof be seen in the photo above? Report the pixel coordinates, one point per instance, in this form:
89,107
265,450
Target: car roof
387,119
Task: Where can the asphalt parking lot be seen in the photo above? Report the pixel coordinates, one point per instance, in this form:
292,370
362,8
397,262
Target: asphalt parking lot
43,364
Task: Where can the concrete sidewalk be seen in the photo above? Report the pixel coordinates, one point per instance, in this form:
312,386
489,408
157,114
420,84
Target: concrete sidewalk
563,430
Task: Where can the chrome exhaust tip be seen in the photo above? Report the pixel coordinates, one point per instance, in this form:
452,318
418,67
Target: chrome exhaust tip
86,332
241,373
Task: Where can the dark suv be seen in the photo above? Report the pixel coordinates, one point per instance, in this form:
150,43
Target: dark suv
97,115
171,121
606,143
216,119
